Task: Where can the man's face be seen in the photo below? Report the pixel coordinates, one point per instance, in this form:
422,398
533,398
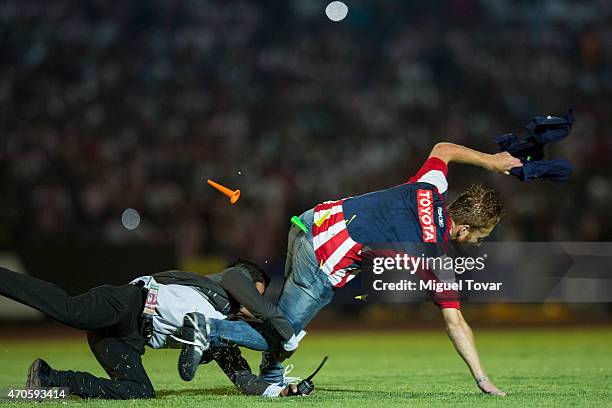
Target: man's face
467,235
261,287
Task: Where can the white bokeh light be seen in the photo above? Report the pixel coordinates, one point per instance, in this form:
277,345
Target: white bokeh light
130,219
336,11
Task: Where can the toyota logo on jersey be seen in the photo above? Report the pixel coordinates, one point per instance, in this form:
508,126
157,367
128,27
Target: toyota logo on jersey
426,215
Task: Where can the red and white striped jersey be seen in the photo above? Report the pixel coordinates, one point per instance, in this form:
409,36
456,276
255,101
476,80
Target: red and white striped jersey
392,215
336,251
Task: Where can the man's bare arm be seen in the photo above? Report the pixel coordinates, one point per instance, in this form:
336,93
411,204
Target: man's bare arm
463,339
454,153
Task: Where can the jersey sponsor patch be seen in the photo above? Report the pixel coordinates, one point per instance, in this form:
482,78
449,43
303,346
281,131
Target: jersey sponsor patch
426,215
440,217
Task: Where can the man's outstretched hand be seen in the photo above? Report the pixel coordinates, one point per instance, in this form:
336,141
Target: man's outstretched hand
292,391
289,390
488,388
454,153
503,162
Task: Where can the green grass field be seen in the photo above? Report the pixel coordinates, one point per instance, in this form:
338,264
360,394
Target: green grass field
547,368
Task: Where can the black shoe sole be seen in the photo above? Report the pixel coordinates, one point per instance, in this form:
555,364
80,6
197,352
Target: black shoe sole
188,362
34,380
190,357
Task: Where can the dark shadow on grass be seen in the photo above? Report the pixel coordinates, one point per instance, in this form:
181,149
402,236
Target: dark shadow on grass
344,390
198,392
405,394
400,394
231,391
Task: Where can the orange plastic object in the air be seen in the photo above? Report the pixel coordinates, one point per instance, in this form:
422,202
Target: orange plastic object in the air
233,195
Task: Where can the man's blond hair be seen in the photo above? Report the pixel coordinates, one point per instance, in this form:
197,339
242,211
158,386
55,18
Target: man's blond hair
478,207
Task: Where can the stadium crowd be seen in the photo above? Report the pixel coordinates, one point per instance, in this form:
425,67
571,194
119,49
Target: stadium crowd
108,105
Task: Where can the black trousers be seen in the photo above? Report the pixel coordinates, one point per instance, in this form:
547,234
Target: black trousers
111,316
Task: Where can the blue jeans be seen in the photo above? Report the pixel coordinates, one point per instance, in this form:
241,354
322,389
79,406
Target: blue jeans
306,291
238,332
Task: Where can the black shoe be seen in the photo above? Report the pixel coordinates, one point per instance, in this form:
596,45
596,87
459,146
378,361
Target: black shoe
39,374
194,336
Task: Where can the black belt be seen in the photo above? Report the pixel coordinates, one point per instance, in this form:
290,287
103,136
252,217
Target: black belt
147,327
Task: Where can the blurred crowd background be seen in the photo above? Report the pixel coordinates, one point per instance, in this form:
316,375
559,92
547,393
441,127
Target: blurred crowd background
111,105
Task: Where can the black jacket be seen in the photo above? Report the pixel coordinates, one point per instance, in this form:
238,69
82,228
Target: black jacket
230,289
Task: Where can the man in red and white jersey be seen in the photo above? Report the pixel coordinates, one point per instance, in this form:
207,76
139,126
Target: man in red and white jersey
329,253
